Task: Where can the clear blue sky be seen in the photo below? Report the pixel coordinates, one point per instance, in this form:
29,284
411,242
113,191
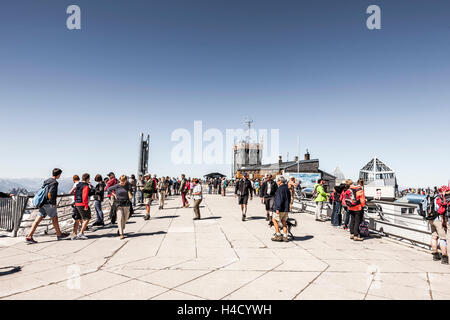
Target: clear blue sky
79,99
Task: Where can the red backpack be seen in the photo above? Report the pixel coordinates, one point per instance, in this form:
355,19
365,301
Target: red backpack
350,197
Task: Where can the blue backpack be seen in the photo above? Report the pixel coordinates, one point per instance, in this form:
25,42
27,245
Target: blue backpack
39,197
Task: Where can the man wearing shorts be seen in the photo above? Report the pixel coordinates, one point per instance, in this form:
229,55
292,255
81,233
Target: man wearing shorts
82,192
268,190
148,191
243,190
48,208
281,207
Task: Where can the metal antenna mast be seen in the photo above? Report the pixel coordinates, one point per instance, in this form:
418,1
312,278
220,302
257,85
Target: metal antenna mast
248,122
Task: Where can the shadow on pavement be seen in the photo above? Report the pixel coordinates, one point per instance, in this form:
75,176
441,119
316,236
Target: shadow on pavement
9,270
164,217
127,235
211,218
303,238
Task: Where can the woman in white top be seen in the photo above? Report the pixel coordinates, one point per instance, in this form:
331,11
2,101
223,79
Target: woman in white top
197,196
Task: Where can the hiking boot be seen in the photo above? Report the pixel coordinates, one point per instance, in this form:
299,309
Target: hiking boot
436,256
63,235
30,240
278,238
444,259
243,217
285,239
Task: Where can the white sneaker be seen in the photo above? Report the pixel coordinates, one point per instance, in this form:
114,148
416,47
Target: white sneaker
74,237
82,237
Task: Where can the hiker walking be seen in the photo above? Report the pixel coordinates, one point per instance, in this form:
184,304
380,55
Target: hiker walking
133,184
184,189
140,184
197,196
123,196
242,191
148,191
281,207
48,207
268,190
82,193
162,189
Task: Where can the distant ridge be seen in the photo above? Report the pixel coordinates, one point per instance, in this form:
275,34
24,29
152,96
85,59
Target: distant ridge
31,185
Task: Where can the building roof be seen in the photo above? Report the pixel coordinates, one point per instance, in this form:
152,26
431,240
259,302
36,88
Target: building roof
214,175
376,165
275,166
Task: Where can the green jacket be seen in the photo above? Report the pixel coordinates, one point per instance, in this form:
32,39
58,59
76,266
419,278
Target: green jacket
149,189
321,194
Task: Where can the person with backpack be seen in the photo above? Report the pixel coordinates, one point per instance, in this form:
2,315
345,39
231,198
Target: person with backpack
45,200
99,195
148,191
83,191
268,190
439,225
355,200
292,184
243,190
344,205
184,189
133,184
224,186
111,182
123,196
336,217
140,185
320,197
162,189
75,216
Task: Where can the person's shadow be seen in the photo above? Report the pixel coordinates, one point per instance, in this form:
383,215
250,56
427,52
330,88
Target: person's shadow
302,238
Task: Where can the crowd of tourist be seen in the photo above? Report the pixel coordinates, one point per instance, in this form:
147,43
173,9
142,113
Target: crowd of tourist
348,202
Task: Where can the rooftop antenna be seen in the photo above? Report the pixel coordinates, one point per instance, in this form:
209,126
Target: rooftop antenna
248,122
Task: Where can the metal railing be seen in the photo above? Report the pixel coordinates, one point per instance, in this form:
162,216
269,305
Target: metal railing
11,213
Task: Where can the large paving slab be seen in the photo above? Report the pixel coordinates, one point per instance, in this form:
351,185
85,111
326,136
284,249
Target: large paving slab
219,257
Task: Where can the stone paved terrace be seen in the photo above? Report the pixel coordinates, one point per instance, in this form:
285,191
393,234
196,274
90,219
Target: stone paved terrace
220,257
